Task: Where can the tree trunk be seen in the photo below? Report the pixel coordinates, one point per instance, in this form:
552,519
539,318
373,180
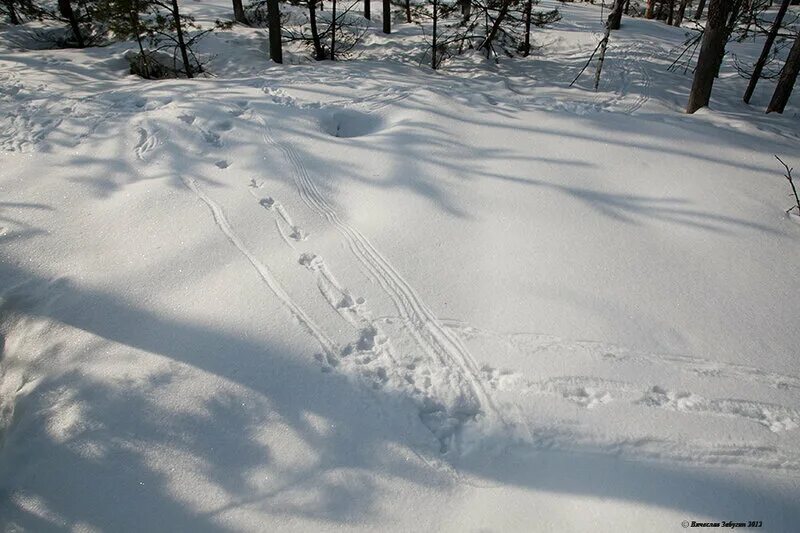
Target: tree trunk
435,20
615,17
786,82
65,8
238,12
627,7
176,16
700,7
681,13
12,13
711,51
487,43
333,31
367,14
466,10
527,46
617,7
759,66
387,16
319,53
649,12
671,13
274,28
137,29
408,11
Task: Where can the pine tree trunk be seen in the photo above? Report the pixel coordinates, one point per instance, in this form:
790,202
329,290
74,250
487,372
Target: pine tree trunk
527,47
700,7
759,66
711,51
671,13
487,43
387,16
319,53
649,12
12,13
176,16
786,82
435,20
408,11
65,8
238,12
367,14
615,17
333,31
681,13
274,28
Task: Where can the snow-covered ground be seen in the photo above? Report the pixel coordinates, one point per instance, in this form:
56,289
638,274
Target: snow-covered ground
364,295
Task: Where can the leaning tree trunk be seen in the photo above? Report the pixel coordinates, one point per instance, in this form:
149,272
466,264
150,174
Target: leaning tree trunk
487,42
238,12
387,16
759,66
617,7
176,16
367,14
65,8
274,28
711,52
786,82
701,5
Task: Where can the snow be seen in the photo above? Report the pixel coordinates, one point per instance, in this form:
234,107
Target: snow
363,295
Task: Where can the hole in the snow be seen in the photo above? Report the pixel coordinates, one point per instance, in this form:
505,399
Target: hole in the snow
350,123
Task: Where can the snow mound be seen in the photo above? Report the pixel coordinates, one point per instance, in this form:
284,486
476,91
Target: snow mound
351,123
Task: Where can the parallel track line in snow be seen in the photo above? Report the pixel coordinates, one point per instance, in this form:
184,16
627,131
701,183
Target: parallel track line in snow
328,346
440,344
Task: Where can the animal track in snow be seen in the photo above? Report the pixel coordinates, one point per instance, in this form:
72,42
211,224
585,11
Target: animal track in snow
776,418
146,143
222,164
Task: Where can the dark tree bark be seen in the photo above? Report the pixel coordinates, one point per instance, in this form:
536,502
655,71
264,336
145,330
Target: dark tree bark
466,9
65,8
319,53
487,42
387,16
408,11
627,6
435,20
367,14
711,51
333,31
671,12
701,5
759,66
13,18
274,28
176,16
786,82
527,46
615,17
681,12
238,12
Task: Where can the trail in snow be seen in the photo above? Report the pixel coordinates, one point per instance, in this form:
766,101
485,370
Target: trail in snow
328,346
442,347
